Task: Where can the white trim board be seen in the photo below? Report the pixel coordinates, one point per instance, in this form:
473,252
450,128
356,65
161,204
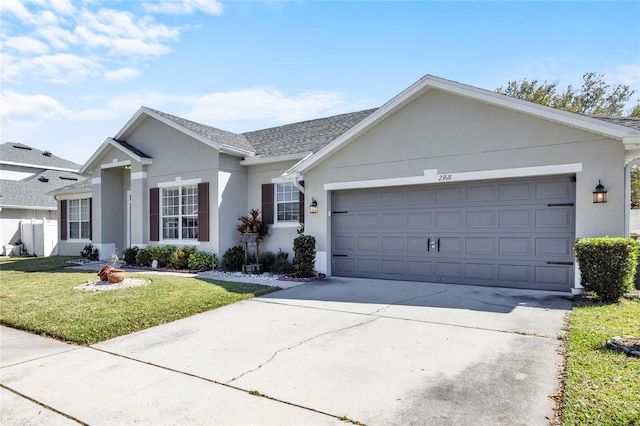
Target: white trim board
432,176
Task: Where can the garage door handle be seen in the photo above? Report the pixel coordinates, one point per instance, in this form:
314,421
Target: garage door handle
561,205
428,244
438,245
559,263
339,255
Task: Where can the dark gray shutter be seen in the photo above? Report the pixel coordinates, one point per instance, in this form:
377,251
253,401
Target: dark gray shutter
267,203
63,220
203,211
154,214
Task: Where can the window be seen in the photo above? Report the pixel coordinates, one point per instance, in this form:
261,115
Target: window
287,203
180,213
79,219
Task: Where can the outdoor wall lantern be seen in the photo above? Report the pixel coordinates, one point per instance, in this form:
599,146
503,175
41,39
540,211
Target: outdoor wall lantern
313,207
600,193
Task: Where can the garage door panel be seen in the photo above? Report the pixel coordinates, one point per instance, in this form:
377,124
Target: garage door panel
481,219
419,269
480,246
423,220
392,221
515,246
367,267
344,244
344,222
555,189
392,267
514,273
417,245
451,270
480,271
559,275
392,244
515,191
516,218
450,245
552,247
496,233
554,217
449,219
366,221
368,244
481,193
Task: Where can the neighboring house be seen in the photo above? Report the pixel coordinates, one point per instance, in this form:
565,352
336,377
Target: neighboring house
443,183
27,211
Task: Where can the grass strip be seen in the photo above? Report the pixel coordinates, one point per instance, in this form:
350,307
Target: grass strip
37,295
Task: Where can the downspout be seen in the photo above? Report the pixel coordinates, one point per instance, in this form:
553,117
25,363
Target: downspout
295,180
627,194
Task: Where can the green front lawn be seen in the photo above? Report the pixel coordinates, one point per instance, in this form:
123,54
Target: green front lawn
602,386
37,294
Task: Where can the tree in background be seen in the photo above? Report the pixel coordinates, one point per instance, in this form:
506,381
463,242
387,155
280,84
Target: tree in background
595,96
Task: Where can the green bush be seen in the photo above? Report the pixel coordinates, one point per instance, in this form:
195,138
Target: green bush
281,265
130,255
179,259
233,259
202,260
144,257
607,265
304,256
267,259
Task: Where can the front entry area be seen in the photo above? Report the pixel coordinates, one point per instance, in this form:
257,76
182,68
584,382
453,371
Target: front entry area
506,233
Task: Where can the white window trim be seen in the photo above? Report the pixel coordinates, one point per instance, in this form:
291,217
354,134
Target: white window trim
284,223
69,238
176,184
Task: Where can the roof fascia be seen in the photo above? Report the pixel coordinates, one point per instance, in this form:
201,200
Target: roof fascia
428,82
255,160
36,166
29,207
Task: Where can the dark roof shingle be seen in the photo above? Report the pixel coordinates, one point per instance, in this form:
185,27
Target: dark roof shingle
24,154
306,136
34,192
222,137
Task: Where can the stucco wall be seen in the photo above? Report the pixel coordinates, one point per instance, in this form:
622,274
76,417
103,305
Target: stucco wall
279,237
10,220
454,134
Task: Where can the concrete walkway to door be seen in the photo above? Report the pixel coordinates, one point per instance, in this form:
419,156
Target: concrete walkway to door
376,352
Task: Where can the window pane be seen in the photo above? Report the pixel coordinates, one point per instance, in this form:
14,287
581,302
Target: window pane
190,228
170,228
287,197
84,230
74,230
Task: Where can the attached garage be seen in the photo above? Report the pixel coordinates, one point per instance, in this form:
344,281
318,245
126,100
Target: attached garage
507,233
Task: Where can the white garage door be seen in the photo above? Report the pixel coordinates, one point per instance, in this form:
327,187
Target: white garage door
506,233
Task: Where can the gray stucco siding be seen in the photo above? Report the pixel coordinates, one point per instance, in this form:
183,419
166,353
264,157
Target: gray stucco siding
452,134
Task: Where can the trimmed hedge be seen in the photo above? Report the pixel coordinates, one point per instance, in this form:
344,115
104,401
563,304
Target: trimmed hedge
607,265
304,256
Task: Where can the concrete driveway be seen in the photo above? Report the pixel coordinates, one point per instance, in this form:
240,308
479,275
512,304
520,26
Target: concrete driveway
371,351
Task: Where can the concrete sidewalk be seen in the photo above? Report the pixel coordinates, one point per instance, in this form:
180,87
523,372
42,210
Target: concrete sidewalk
376,352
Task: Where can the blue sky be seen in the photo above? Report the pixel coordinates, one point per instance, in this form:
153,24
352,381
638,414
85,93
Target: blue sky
74,72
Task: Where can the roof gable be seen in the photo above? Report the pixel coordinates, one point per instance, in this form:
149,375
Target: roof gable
120,145
620,130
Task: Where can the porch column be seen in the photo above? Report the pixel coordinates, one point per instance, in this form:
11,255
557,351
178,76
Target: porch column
139,206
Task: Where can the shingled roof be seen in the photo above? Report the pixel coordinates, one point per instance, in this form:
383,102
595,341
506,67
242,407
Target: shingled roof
17,153
222,137
632,122
34,192
306,136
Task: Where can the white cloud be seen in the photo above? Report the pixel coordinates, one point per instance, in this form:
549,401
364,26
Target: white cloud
26,45
30,107
184,7
122,74
58,68
625,74
90,36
